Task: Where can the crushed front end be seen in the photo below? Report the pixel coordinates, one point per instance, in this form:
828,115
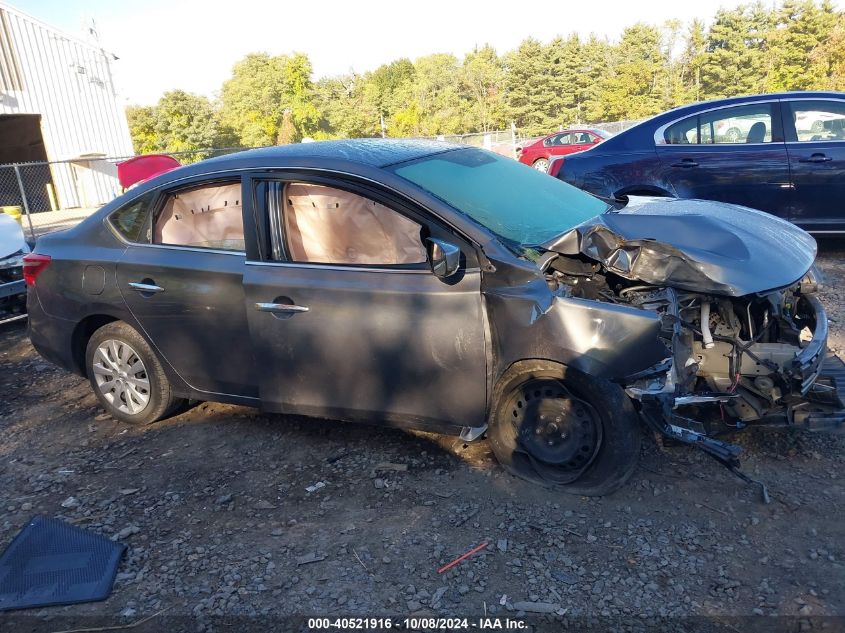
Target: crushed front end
746,344
758,359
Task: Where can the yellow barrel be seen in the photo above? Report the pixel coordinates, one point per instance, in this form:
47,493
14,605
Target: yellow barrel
15,212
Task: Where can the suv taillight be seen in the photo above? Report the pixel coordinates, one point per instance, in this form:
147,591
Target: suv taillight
33,265
554,167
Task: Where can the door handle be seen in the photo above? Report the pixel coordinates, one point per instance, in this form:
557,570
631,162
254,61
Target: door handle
142,287
816,158
280,308
686,163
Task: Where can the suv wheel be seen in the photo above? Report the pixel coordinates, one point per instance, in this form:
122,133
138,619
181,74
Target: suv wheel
127,377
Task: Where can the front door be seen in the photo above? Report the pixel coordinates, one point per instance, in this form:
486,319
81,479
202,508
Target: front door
347,318
185,287
815,131
734,154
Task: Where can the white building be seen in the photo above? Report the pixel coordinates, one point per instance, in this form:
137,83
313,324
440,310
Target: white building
57,103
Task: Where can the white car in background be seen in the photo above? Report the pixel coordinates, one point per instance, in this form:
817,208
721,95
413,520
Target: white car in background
13,247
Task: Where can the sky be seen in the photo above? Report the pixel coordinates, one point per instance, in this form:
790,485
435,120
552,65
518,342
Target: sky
192,44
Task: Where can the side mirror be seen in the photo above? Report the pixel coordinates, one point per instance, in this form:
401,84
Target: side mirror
445,258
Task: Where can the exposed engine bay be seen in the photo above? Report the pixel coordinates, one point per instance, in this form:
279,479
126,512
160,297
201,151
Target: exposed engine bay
731,361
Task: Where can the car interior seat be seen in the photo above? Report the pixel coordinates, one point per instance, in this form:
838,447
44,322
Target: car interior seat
757,133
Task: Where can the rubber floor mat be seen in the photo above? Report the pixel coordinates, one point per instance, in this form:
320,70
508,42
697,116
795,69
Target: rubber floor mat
53,563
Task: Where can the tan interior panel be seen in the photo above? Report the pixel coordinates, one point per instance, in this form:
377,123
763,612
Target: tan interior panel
331,226
206,217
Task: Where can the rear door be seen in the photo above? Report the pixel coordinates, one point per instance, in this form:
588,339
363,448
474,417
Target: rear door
579,141
733,154
184,286
815,133
347,318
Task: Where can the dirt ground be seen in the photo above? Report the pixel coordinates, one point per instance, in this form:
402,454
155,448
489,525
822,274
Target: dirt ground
215,509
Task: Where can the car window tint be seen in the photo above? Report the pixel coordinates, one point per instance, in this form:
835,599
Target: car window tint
330,226
131,220
742,124
552,140
202,217
683,132
818,120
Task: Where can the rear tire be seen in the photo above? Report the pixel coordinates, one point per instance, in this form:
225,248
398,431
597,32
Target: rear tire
127,377
541,164
597,421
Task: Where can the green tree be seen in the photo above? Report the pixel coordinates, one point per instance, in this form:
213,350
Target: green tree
269,99
482,85
801,28
829,57
436,95
142,122
529,90
346,112
632,86
736,59
179,122
692,60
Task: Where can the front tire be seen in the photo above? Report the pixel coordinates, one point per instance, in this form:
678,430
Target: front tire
127,377
563,429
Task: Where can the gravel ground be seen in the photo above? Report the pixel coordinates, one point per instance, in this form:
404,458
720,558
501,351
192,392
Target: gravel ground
215,509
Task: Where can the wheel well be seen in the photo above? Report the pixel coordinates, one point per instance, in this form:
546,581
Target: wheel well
545,158
82,334
644,190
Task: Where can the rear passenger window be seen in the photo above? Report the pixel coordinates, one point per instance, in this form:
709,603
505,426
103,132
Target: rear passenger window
683,132
209,216
131,220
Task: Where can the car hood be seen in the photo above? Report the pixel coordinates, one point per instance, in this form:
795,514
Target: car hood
11,237
697,245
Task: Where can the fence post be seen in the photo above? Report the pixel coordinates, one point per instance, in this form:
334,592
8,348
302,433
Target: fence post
24,200
513,139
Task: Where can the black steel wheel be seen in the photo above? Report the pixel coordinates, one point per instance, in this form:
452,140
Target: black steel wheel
564,429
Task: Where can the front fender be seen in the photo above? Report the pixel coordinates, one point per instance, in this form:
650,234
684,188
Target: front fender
605,340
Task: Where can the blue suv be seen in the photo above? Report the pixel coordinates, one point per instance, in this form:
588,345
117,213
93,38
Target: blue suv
780,153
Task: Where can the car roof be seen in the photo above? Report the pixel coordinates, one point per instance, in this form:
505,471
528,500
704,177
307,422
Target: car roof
641,134
374,152
366,152
796,94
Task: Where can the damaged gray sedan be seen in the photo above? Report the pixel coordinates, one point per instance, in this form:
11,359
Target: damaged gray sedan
443,288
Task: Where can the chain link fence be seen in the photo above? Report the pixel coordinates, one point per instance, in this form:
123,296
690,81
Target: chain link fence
48,196
505,142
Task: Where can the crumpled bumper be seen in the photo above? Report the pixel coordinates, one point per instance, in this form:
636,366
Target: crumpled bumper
12,288
809,361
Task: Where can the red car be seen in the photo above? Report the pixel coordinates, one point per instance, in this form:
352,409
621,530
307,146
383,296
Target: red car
537,153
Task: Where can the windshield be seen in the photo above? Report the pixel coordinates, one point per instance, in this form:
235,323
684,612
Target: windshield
518,203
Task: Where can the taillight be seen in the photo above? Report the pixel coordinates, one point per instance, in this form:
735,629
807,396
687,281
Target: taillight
33,265
554,168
